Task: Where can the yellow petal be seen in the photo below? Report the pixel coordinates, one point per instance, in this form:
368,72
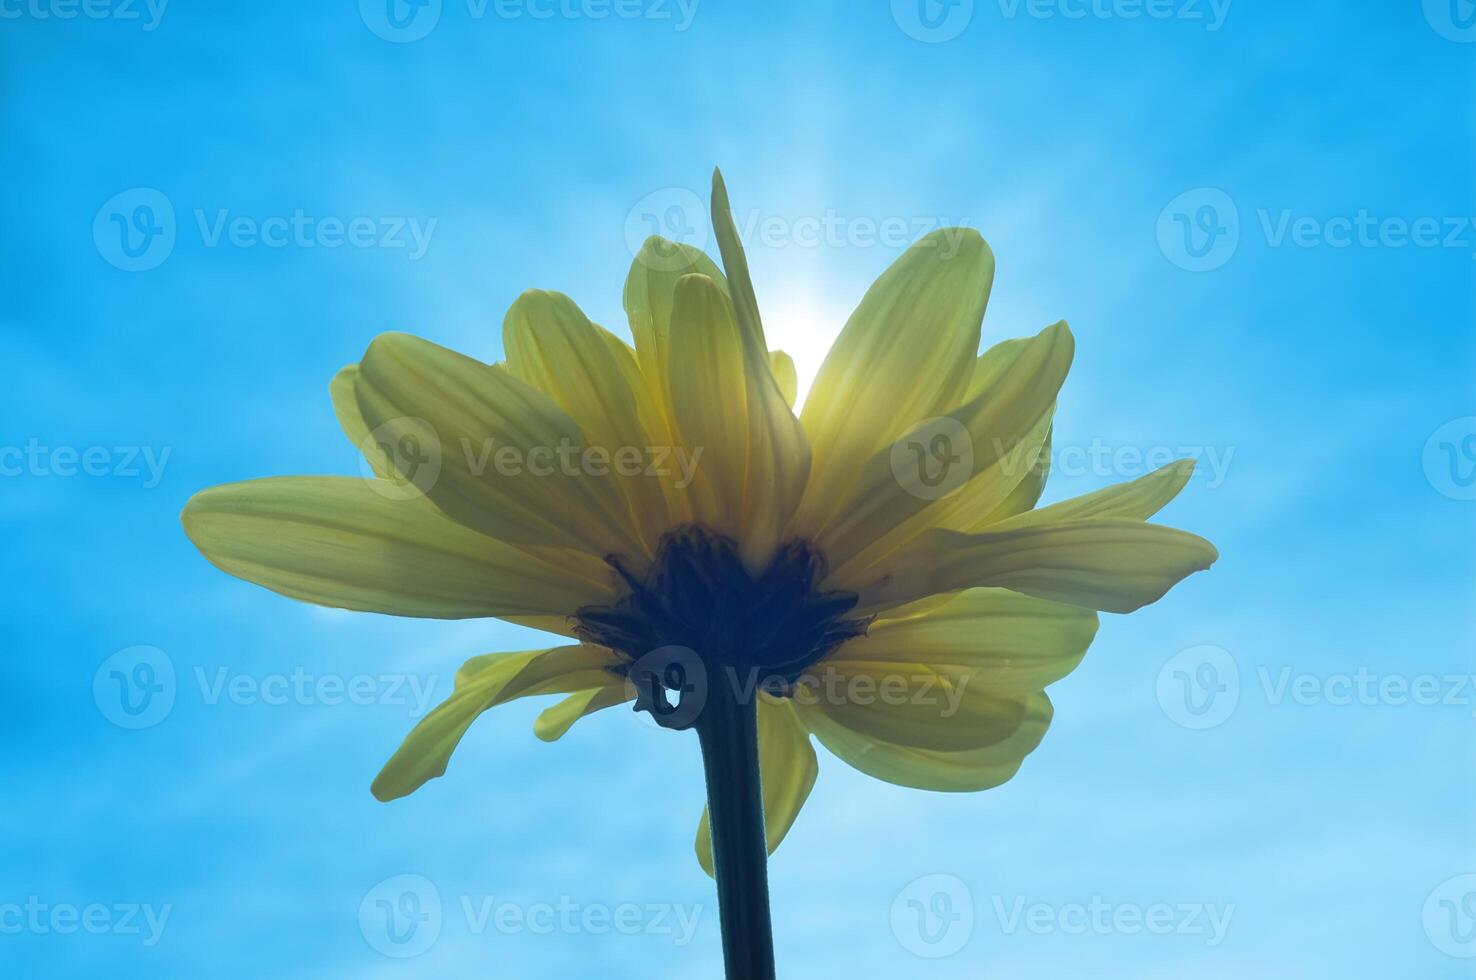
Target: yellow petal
554,347
1008,642
351,420
983,435
1111,564
1138,500
728,407
905,355
489,682
349,543
941,707
555,722
778,454
650,290
1025,495
785,375
950,772
508,456
787,772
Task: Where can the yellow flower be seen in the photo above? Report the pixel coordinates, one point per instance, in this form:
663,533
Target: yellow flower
874,565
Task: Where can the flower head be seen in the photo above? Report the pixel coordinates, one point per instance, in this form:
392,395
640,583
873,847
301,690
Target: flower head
874,568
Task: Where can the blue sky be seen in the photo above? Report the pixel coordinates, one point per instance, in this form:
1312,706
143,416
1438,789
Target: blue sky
1256,216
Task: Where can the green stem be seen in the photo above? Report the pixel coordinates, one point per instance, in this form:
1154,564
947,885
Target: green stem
728,731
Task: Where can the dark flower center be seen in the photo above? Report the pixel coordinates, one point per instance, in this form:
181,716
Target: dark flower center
697,596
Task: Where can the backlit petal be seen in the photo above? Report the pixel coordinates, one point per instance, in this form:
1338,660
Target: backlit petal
349,543
493,680
920,768
1111,564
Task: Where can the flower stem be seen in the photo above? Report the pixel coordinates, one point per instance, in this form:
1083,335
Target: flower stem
728,731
